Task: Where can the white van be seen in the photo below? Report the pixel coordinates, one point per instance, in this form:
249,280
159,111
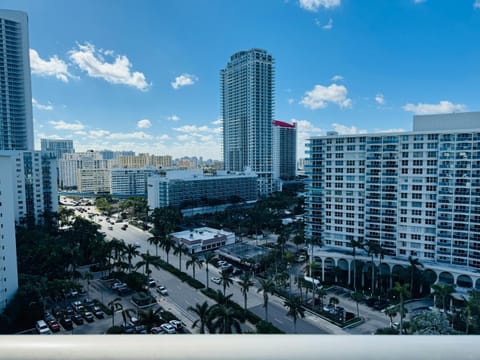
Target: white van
42,328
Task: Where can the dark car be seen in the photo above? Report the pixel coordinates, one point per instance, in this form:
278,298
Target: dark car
87,315
66,323
77,319
98,312
69,311
88,302
54,325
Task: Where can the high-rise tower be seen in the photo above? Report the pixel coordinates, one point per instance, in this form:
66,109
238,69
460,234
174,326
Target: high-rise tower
16,121
247,87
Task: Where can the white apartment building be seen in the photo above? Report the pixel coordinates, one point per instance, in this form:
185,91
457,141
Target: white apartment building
16,120
203,239
247,98
415,193
192,188
8,249
94,181
131,182
71,163
284,150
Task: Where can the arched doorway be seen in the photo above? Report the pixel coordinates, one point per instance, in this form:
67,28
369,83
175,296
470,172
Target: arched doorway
465,281
446,278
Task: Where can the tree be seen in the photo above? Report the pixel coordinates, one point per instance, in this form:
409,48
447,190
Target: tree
391,312
444,292
154,240
431,323
131,251
357,297
402,292
180,249
245,284
114,306
89,277
148,260
166,243
203,313
226,281
150,317
334,301
225,319
355,245
373,249
295,310
266,286
415,266
209,258
194,262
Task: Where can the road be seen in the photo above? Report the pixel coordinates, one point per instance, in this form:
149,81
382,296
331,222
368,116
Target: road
182,296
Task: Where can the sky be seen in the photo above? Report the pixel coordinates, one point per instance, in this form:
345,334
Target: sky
143,75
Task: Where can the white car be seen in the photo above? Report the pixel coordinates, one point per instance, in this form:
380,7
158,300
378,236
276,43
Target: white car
137,245
216,280
177,324
162,290
42,328
168,328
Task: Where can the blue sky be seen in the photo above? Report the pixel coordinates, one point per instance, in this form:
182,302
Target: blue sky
144,75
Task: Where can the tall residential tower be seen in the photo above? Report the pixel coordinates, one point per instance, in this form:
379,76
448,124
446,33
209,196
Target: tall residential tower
16,121
247,88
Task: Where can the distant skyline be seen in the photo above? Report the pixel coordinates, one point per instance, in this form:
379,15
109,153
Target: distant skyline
145,75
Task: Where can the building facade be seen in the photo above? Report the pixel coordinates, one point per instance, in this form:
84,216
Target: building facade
130,182
284,150
94,180
70,164
58,147
191,188
143,160
16,120
8,249
415,193
247,98
203,239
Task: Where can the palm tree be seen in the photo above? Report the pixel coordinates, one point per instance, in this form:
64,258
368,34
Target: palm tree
150,317
226,281
266,286
193,262
415,265
224,318
402,291
166,243
148,260
357,297
203,313
89,277
131,251
209,258
245,284
295,310
334,301
127,314
355,244
444,292
154,240
180,249
114,306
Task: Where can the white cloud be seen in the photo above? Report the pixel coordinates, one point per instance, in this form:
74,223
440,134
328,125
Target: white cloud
337,78
163,137
380,99
193,129
290,101
184,80
314,5
98,133
347,130
173,118
320,96
144,124
90,60
39,106
476,4
217,122
51,67
329,25
443,107
134,135
62,125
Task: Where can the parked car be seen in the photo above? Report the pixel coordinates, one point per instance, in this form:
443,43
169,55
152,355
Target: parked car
216,280
162,290
168,328
137,245
66,323
157,330
98,312
87,315
151,282
177,324
54,325
117,285
77,319
88,302
42,328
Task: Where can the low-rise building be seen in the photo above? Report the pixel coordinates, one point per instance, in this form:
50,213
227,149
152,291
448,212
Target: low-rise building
203,239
